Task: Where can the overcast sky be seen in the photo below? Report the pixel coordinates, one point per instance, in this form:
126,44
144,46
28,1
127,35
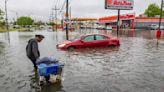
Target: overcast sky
41,9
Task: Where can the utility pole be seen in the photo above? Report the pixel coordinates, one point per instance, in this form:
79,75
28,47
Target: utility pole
16,18
7,27
0,12
17,15
52,19
55,17
118,22
62,21
158,33
161,14
70,17
6,15
70,13
67,20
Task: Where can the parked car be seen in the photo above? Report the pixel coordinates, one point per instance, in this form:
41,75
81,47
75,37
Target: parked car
89,41
16,26
101,27
109,28
155,26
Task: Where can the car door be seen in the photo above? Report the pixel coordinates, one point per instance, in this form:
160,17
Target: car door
101,40
88,41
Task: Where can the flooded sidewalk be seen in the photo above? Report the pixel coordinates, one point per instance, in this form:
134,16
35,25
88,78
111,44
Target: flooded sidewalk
136,66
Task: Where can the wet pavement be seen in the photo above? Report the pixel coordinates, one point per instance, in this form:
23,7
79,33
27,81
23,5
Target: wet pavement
136,66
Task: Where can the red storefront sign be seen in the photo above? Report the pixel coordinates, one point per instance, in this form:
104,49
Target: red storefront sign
127,16
119,4
114,18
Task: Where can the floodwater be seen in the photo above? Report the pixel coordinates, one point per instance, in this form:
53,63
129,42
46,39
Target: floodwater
136,66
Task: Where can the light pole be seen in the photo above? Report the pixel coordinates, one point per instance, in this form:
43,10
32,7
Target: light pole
7,27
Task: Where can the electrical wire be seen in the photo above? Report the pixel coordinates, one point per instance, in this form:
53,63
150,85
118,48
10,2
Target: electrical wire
62,8
56,3
1,7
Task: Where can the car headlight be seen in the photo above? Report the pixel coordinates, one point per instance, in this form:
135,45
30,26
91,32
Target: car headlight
61,45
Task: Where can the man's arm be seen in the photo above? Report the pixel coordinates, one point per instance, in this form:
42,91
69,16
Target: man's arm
35,49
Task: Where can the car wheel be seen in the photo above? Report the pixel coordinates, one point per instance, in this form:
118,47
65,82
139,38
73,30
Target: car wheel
71,48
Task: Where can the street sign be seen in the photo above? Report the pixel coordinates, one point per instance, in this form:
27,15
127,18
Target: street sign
119,4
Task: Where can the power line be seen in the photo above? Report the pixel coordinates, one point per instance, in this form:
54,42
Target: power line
64,3
56,2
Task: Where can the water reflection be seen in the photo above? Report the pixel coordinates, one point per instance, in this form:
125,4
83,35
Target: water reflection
53,88
14,37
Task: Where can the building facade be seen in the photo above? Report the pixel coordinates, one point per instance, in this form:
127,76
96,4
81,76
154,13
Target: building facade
130,21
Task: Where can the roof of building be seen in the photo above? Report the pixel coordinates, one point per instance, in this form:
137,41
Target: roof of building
84,19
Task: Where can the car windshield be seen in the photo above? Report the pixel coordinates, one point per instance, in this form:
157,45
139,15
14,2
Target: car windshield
76,38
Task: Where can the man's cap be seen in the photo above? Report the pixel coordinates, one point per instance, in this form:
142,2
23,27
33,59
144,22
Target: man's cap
39,35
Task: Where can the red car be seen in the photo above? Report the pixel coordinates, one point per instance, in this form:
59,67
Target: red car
92,40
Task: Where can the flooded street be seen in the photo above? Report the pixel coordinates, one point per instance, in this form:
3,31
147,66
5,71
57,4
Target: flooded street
136,66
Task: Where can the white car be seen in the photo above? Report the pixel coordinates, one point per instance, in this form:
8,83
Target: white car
109,28
155,26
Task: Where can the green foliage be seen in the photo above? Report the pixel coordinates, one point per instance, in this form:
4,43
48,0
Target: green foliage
152,10
24,21
1,15
2,23
50,23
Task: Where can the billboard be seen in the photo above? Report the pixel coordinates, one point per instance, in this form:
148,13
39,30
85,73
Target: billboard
119,4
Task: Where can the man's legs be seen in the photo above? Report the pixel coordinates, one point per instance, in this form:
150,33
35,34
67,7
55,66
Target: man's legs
34,62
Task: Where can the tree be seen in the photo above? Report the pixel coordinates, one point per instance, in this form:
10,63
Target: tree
25,21
2,22
152,10
1,15
51,23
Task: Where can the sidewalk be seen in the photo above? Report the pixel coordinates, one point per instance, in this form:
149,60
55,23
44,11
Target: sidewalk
13,29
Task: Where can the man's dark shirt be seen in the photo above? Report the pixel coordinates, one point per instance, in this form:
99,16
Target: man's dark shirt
32,50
